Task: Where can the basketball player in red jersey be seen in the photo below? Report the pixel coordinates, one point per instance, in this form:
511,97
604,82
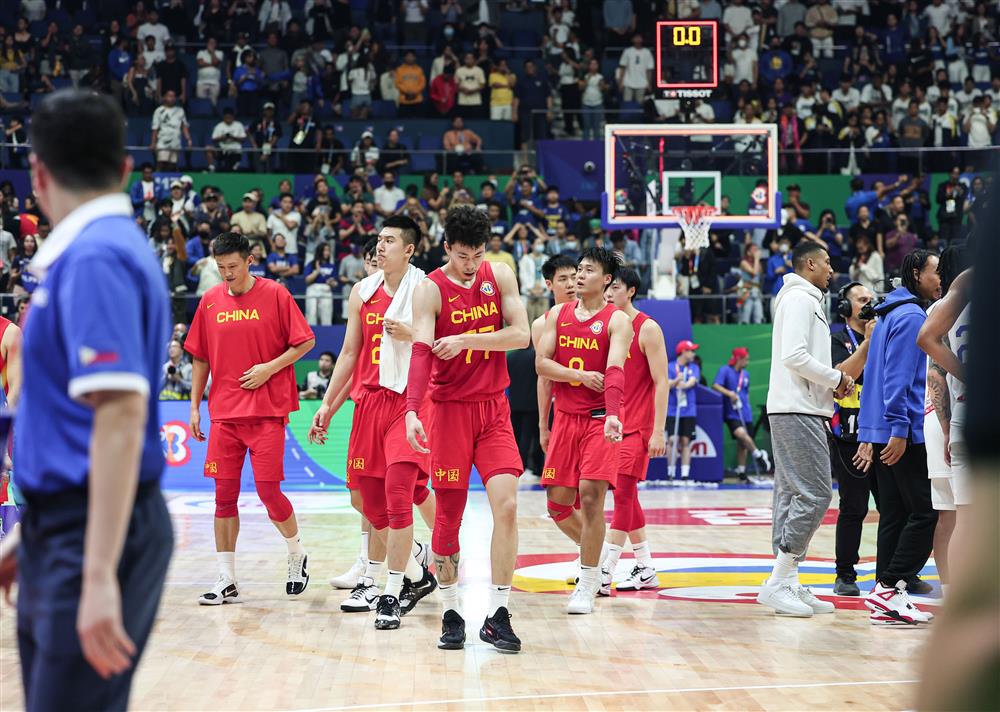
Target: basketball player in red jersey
583,350
459,317
247,333
645,411
10,391
423,498
378,456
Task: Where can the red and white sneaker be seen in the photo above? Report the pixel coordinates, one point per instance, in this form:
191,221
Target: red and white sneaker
894,603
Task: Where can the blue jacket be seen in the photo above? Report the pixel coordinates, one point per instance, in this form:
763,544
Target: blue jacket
895,373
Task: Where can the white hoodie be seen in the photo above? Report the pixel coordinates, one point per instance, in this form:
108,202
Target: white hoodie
802,379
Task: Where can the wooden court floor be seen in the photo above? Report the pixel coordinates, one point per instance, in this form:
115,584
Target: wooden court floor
703,646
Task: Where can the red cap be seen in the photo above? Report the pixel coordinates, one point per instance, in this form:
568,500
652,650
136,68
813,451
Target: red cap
686,345
738,353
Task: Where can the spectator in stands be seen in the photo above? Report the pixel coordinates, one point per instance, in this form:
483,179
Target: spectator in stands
285,221
12,64
354,229
776,63
365,154
144,193
175,381
212,210
361,81
790,16
778,265
899,242
319,380
274,15
821,19
471,82
619,21
213,19
951,196
208,82
831,238
171,74
410,82
865,227
463,148
635,70
331,153
871,198
248,80
387,196
913,134
250,222
628,250
533,107
496,253
593,88
350,272
979,125
748,294
736,20
358,190
153,54
152,27
866,267
321,278
282,264
862,58
393,155
169,124
138,92
502,82
275,69
227,139
444,90
22,280
302,158
744,61
264,137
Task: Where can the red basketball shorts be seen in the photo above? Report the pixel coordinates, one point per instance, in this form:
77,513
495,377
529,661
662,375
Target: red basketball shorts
633,458
578,451
378,435
467,433
229,440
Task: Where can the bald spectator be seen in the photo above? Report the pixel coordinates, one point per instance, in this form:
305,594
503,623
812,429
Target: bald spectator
463,147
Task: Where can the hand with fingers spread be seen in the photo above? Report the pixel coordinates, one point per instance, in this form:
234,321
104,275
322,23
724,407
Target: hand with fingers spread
863,457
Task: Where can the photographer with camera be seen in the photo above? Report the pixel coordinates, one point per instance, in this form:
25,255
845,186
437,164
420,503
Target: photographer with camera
848,352
175,383
317,381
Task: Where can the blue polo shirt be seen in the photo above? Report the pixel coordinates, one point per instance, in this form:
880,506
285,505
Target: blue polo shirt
738,382
99,320
690,407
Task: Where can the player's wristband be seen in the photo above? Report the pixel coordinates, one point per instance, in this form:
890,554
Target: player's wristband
614,390
420,374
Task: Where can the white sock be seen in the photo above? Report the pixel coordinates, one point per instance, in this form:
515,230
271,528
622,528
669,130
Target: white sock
499,595
590,576
611,560
393,583
373,571
786,569
758,452
685,471
642,556
294,544
672,471
449,597
227,564
740,469
605,547
363,552
414,571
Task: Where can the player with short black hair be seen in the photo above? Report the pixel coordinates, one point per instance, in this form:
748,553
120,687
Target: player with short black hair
804,250
464,314
247,333
644,411
582,350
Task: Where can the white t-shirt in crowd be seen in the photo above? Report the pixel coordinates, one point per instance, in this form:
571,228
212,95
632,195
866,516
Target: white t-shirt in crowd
388,199
636,63
979,130
168,121
277,227
940,17
470,78
849,99
230,137
738,18
804,106
360,80
743,61
964,99
159,31
411,10
870,94
592,95
210,73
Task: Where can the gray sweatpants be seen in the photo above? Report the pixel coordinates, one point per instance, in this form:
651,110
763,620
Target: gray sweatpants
802,482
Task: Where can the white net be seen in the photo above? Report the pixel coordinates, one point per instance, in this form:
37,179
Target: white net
695,222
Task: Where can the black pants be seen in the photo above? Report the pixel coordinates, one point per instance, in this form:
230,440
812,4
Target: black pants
50,564
906,516
525,426
571,103
854,487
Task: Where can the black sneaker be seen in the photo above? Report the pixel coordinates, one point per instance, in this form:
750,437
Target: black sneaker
387,613
845,587
452,631
413,592
497,632
918,587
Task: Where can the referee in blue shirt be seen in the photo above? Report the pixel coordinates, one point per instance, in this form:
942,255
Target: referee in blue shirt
96,536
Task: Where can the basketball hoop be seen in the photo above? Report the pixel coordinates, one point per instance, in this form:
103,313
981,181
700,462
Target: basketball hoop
695,222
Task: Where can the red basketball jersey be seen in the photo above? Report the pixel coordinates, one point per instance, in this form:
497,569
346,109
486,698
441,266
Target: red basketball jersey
372,315
639,390
4,323
473,375
584,346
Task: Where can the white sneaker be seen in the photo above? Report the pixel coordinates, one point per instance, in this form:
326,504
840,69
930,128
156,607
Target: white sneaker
818,605
895,603
784,598
298,574
224,591
581,601
349,579
605,589
363,598
574,577
423,556
764,459
640,578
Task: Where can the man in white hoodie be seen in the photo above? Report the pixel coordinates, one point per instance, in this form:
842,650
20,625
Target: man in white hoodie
800,397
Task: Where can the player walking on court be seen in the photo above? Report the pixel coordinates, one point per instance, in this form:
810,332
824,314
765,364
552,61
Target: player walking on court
459,317
644,410
247,333
583,350
391,477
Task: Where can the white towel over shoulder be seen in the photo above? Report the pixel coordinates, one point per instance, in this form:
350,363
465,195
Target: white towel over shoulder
394,358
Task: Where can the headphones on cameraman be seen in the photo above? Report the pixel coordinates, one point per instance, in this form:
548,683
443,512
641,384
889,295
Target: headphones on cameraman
844,306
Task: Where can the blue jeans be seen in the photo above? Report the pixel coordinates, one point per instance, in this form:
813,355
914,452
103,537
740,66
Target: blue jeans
593,117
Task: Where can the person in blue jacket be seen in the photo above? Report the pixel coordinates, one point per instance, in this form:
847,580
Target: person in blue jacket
891,433
682,408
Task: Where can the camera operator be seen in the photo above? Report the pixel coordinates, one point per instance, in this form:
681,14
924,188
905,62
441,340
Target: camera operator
317,381
848,352
175,383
